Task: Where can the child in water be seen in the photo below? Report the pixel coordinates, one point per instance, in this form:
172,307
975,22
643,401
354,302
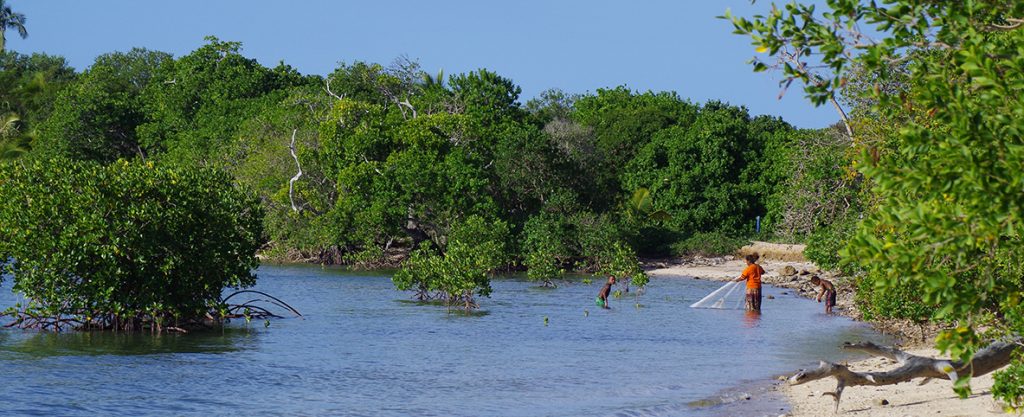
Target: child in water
752,274
602,297
827,290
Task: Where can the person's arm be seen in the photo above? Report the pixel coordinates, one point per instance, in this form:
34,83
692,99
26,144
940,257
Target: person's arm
743,276
821,293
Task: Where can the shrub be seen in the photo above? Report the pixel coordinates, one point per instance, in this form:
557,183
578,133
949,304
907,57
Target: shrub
125,246
546,249
475,248
708,244
824,244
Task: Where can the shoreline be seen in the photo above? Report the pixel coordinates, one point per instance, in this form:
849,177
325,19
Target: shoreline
905,399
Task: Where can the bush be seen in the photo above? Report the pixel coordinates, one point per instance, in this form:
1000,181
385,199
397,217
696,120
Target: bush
824,244
546,250
891,302
1009,385
474,249
620,260
593,234
124,246
708,244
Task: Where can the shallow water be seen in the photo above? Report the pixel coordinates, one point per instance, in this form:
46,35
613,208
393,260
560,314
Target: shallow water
363,349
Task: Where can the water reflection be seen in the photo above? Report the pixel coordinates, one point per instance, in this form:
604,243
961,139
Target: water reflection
35,344
751,319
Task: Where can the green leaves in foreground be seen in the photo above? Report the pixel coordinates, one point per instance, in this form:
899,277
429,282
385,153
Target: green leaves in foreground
127,245
946,228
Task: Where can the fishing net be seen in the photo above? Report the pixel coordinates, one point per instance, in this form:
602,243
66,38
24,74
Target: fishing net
720,297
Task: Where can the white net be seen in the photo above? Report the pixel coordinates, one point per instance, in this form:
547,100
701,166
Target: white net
720,297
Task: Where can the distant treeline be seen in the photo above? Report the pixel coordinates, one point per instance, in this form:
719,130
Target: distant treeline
393,157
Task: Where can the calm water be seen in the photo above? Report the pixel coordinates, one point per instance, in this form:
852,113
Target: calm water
362,349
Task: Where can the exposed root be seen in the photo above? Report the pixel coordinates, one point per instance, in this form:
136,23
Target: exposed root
33,317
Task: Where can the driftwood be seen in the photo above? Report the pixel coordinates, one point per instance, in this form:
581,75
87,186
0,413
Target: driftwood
991,358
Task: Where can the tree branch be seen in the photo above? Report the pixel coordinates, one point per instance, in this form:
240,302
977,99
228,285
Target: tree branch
291,183
327,88
991,358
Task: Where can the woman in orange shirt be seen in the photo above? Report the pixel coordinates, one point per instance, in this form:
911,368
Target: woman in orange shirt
752,274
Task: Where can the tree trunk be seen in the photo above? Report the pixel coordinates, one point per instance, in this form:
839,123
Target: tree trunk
991,358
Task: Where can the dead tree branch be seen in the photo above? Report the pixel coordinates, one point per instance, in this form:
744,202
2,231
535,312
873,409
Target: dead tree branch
291,182
327,88
991,358
407,104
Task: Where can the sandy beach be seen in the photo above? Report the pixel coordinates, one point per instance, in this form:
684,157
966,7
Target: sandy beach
936,398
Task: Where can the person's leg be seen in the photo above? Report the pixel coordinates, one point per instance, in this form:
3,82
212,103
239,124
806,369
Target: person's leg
757,299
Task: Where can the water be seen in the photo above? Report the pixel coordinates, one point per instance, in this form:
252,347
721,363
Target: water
363,349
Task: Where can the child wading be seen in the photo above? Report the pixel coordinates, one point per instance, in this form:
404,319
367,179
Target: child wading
602,297
827,290
752,274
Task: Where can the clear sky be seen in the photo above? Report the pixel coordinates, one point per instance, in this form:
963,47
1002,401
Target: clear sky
575,45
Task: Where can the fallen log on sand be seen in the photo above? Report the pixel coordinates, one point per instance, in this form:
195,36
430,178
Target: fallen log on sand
993,357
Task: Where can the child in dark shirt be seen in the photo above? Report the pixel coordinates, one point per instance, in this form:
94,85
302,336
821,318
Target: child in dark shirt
827,290
602,297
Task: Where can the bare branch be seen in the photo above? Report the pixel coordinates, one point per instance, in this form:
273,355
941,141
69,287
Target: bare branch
374,168
327,88
1014,24
291,182
409,105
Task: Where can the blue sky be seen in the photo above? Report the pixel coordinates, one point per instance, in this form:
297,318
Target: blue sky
575,45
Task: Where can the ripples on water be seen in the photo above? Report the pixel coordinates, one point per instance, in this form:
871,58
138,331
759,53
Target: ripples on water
362,349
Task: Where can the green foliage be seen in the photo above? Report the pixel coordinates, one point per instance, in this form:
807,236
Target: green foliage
622,123
892,302
825,243
619,260
475,248
640,207
704,174
96,117
13,142
486,95
945,222
547,241
822,191
194,104
709,244
1009,384
126,245
29,85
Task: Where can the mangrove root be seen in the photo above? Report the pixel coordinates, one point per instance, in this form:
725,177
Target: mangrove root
156,322
991,358
249,308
